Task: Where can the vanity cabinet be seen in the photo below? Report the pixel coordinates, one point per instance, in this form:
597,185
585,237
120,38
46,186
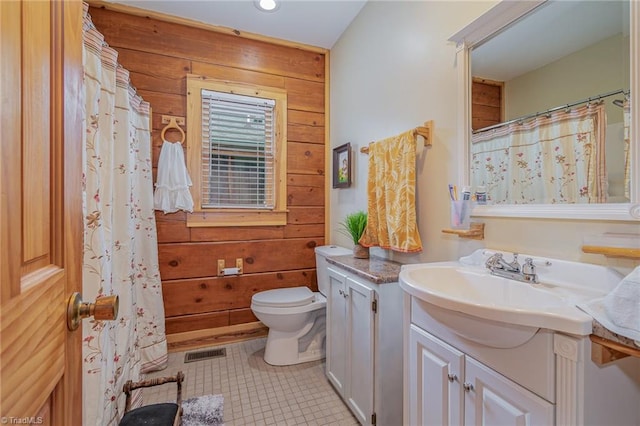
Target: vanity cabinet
448,387
457,371
435,385
364,346
350,319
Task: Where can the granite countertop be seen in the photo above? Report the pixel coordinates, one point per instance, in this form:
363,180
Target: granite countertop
374,269
601,331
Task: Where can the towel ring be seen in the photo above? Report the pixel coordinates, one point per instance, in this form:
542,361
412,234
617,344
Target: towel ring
173,125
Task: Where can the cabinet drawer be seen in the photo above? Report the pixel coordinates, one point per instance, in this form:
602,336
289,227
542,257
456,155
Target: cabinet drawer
531,364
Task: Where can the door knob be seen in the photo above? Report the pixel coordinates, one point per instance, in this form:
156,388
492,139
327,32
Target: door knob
104,308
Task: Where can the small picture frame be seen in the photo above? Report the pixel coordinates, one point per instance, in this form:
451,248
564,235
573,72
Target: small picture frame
342,166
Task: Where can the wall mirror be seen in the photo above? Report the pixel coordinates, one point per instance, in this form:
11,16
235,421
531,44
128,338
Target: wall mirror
525,69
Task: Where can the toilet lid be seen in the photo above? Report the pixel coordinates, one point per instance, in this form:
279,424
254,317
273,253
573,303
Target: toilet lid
284,297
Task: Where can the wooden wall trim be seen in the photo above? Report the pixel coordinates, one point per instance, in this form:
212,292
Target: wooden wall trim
131,10
327,149
215,336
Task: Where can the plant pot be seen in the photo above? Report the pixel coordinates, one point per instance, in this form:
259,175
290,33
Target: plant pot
360,252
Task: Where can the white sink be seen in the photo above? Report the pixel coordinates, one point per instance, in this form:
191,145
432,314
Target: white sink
467,287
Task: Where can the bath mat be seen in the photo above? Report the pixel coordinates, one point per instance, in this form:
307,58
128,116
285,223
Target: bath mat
203,410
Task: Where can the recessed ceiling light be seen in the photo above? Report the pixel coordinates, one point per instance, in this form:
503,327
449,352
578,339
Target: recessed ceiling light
267,5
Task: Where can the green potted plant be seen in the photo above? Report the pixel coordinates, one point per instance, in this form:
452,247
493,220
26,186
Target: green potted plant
353,226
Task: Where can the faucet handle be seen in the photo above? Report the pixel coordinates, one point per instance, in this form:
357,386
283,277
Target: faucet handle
493,260
529,271
514,263
528,267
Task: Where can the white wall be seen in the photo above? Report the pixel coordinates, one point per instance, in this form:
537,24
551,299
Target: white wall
392,70
599,68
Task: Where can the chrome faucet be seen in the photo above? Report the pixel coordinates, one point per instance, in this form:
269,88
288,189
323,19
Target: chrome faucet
512,270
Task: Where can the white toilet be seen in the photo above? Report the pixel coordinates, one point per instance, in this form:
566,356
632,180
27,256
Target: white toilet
296,316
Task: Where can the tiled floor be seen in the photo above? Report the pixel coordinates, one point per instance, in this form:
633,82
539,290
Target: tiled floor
256,393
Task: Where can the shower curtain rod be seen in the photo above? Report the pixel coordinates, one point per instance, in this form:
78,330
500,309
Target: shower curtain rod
526,117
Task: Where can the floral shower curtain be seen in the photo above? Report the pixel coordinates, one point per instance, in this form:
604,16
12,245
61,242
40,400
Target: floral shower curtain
120,242
558,158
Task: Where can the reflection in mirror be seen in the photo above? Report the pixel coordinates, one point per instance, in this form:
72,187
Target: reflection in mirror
550,106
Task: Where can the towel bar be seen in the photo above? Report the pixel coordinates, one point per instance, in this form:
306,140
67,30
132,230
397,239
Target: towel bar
425,131
629,253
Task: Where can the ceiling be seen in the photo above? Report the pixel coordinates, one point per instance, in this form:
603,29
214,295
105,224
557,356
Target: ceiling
549,33
312,22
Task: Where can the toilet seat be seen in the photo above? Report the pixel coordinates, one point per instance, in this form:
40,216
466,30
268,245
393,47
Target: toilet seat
283,297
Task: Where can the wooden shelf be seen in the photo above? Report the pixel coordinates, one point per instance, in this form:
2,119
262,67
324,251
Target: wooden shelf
604,351
629,253
475,232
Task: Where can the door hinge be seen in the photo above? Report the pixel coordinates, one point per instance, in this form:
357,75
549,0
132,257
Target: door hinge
374,305
373,419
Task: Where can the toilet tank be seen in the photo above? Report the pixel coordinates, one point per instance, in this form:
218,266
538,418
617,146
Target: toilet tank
322,252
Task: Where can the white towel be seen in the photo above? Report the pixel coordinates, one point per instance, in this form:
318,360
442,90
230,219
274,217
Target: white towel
173,182
619,310
622,305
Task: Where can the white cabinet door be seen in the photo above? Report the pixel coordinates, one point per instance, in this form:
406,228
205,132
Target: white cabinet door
360,350
435,389
496,400
336,354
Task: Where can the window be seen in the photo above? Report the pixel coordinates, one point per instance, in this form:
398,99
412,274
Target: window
236,153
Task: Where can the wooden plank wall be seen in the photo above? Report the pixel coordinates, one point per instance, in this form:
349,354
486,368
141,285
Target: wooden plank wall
487,103
159,55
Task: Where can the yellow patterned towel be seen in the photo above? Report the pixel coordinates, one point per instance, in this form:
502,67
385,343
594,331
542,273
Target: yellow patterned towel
391,222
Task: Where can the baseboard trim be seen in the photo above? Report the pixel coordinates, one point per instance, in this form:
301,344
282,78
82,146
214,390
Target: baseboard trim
188,340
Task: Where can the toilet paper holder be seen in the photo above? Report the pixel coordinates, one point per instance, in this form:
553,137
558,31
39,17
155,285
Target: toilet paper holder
223,272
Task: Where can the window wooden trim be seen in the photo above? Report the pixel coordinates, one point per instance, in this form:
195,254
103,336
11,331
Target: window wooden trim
210,217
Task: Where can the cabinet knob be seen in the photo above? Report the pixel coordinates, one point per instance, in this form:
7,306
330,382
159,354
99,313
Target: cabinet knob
341,293
468,387
452,377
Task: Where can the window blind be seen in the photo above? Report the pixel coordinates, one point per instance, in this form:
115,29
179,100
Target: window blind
238,151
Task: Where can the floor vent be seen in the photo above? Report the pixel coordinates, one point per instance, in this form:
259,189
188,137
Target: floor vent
208,354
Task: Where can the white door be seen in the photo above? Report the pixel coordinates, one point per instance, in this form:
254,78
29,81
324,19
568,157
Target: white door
436,371
360,346
40,211
336,331
492,399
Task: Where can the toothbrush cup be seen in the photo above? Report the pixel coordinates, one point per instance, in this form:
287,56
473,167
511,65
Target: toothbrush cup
461,214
